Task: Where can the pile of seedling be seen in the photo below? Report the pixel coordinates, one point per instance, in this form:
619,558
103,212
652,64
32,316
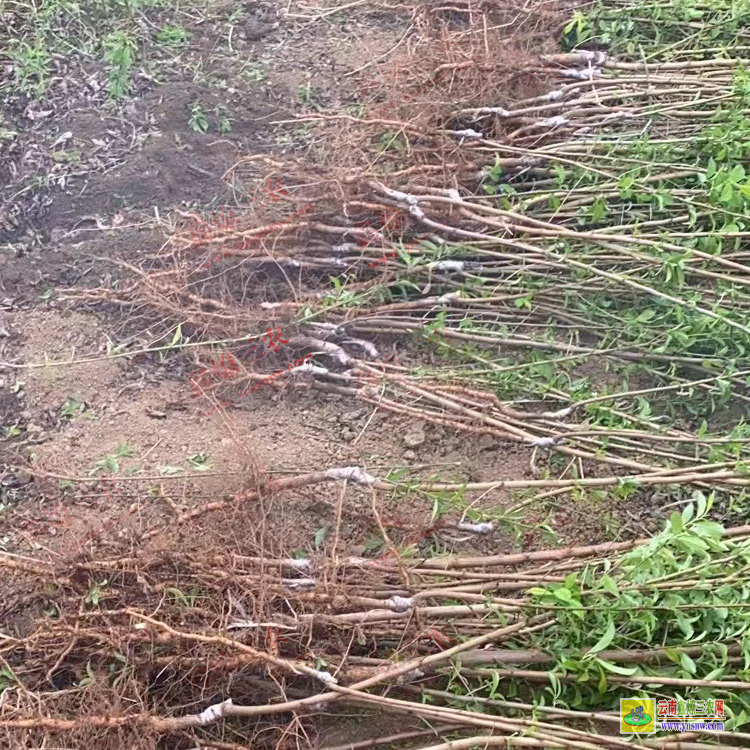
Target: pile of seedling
537,646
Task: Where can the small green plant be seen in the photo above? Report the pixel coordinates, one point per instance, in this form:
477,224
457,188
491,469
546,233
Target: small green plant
119,52
307,94
12,431
114,349
493,174
95,592
320,536
197,121
225,122
255,72
7,679
199,461
188,599
72,408
236,16
177,342
31,65
390,142
110,462
172,36
167,470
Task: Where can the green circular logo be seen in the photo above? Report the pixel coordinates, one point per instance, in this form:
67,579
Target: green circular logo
637,720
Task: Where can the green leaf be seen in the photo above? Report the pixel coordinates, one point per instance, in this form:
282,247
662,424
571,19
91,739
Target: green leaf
708,529
124,451
602,682
693,544
605,640
537,591
645,315
687,513
737,174
676,523
617,670
700,498
320,536
685,625
563,595
598,210
199,461
177,594
494,684
687,663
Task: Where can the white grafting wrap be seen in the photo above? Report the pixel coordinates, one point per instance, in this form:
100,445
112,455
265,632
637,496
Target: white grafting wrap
357,561
597,57
467,133
558,414
324,329
353,473
544,442
240,624
449,265
323,676
494,111
446,299
477,528
555,121
401,197
400,604
298,583
371,349
581,75
214,713
307,367
302,564
335,351
618,116
415,674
